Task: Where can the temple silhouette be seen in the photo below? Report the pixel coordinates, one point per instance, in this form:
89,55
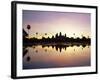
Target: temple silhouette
58,42
57,39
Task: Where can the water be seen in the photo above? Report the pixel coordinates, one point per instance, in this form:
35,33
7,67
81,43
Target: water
39,56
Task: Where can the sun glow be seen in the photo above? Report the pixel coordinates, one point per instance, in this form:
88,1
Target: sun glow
72,24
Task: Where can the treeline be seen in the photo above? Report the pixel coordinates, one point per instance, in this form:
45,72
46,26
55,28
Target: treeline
57,39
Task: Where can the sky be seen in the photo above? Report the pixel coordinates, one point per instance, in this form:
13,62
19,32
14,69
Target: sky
52,22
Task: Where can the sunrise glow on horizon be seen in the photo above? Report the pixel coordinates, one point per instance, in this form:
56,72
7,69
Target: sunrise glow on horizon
51,22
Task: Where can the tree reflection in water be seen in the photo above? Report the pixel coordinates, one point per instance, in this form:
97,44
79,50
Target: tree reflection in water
56,47
25,51
28,58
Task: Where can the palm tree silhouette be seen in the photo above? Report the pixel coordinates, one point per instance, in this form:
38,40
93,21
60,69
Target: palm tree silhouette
74,35
45,34
82,35
28,27
88,37
36,34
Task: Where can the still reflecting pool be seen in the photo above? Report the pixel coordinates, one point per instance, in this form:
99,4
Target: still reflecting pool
40,56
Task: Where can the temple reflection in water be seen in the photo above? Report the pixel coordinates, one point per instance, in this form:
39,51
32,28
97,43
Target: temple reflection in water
52,56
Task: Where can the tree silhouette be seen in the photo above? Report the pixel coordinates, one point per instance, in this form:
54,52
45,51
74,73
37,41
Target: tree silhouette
82,35
45,34
36,34
74,35
28,27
